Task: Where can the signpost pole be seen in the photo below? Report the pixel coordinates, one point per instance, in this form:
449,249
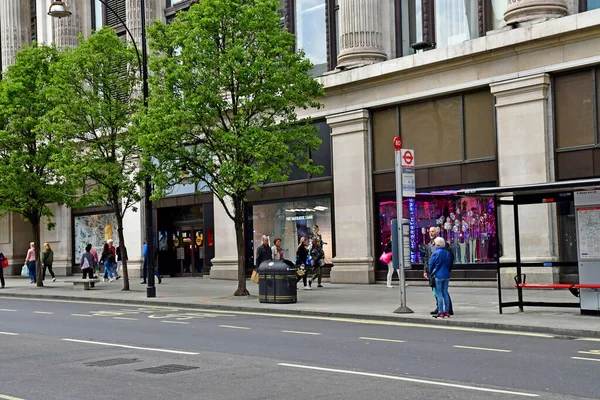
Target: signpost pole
399,250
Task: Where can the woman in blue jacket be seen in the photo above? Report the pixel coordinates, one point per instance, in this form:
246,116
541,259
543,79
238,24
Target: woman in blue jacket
439,269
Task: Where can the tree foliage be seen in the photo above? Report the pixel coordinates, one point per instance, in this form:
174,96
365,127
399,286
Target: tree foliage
97,97
225,87
29,176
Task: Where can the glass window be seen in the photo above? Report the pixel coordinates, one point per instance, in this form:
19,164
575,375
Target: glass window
574,110
480,139
498,9
467,224
98,18
412,25
433,130
322,156
290,221
455,21
311,33
593,4
385,129
95,229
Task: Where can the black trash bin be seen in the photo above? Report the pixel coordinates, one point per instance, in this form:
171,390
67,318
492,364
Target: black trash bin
277,282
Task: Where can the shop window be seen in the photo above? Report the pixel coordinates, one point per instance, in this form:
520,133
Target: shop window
574,109
433,130
480,137
290,221
467,224
96,229
385,128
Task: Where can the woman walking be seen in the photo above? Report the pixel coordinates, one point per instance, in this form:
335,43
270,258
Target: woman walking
87,263
108,258
388,249
301,256
47,261
277,250
317,259
30,261
439,270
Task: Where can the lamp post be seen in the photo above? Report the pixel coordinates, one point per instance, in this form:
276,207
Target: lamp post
59,9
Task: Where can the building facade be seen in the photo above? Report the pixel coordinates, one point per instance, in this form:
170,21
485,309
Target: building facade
487,93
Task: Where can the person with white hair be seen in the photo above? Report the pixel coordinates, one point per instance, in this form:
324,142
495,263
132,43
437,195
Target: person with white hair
439,270
434,232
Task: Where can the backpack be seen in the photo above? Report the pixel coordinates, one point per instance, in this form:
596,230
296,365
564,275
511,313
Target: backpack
451,256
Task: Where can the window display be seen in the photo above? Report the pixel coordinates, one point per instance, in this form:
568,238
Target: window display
467,224
290,221
96,229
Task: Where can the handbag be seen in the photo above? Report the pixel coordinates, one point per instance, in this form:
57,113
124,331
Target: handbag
25,270
386,257
86,264
4,262
254,277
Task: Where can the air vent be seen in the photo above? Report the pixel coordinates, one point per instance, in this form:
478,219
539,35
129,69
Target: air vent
166,369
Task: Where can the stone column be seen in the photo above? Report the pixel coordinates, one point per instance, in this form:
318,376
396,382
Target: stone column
133,17
519,11
15,32
352,182
224,265
524,151
361,34
66,30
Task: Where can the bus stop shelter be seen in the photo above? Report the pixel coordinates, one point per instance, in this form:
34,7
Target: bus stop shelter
543,193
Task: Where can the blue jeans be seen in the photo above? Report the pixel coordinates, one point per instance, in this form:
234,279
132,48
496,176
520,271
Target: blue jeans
443,299
31,266
109,270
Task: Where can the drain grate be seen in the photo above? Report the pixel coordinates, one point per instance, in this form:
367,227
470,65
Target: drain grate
166,369
112,361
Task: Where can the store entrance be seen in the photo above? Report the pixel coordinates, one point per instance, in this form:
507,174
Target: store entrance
188,251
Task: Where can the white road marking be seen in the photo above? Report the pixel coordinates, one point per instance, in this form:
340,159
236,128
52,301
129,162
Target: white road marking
302,333
482,348
130,347
43,312
176,322
7,397
81,315
382,340
233,327
7,310
126,319
9,333
592,352
585,359
589,339
413,380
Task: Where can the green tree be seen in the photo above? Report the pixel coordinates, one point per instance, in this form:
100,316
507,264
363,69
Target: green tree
225,87
97,96
29,177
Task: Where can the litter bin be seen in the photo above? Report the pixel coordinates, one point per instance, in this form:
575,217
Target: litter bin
277,282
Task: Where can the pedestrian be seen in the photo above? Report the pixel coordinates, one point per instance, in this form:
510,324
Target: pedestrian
3,264
388,249
120,258
433,233
264,252
87,263
276,250
301,256
47,261
108,258
114,264
145,272
30,261
439,270
317,260
96,265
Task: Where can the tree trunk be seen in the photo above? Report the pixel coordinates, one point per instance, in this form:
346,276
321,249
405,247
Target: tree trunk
35,226
241,248
123,250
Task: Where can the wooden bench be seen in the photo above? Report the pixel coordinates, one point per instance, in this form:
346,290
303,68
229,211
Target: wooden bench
87,284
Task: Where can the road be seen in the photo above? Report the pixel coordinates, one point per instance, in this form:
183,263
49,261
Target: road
55,349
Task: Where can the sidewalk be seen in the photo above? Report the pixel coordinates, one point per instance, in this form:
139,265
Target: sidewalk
474,307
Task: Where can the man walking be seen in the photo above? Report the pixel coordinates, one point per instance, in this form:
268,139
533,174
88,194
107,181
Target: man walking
145,274
433,233
264,252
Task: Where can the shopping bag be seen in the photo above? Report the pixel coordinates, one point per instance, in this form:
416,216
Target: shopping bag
4,262
386,257
25,270
254,277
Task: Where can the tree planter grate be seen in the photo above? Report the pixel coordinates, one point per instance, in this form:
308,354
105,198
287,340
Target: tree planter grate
166,369
112,361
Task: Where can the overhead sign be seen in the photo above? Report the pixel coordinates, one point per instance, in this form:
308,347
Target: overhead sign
397,143
408,184
408,158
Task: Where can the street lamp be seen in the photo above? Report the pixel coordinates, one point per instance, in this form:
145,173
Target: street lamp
58,9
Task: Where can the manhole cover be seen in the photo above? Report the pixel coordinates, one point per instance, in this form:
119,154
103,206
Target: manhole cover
112,361
166,369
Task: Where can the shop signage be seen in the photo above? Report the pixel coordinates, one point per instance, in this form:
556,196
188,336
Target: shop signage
408,158
176,242
300,218
408,184
180,253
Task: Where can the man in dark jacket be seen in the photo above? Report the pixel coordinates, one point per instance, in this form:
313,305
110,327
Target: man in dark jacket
264,252
433,233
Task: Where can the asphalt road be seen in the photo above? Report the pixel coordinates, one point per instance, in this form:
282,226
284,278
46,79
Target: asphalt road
67,350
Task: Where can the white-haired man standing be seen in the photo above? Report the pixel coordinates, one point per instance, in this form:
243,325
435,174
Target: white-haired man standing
433,234
439,269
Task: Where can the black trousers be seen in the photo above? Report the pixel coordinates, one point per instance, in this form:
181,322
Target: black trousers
88,271
2,276
49,266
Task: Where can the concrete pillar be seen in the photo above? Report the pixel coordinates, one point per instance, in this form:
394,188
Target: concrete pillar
60,239
530,10
524,154
15,32
224,265
67,30
361,39
352,180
